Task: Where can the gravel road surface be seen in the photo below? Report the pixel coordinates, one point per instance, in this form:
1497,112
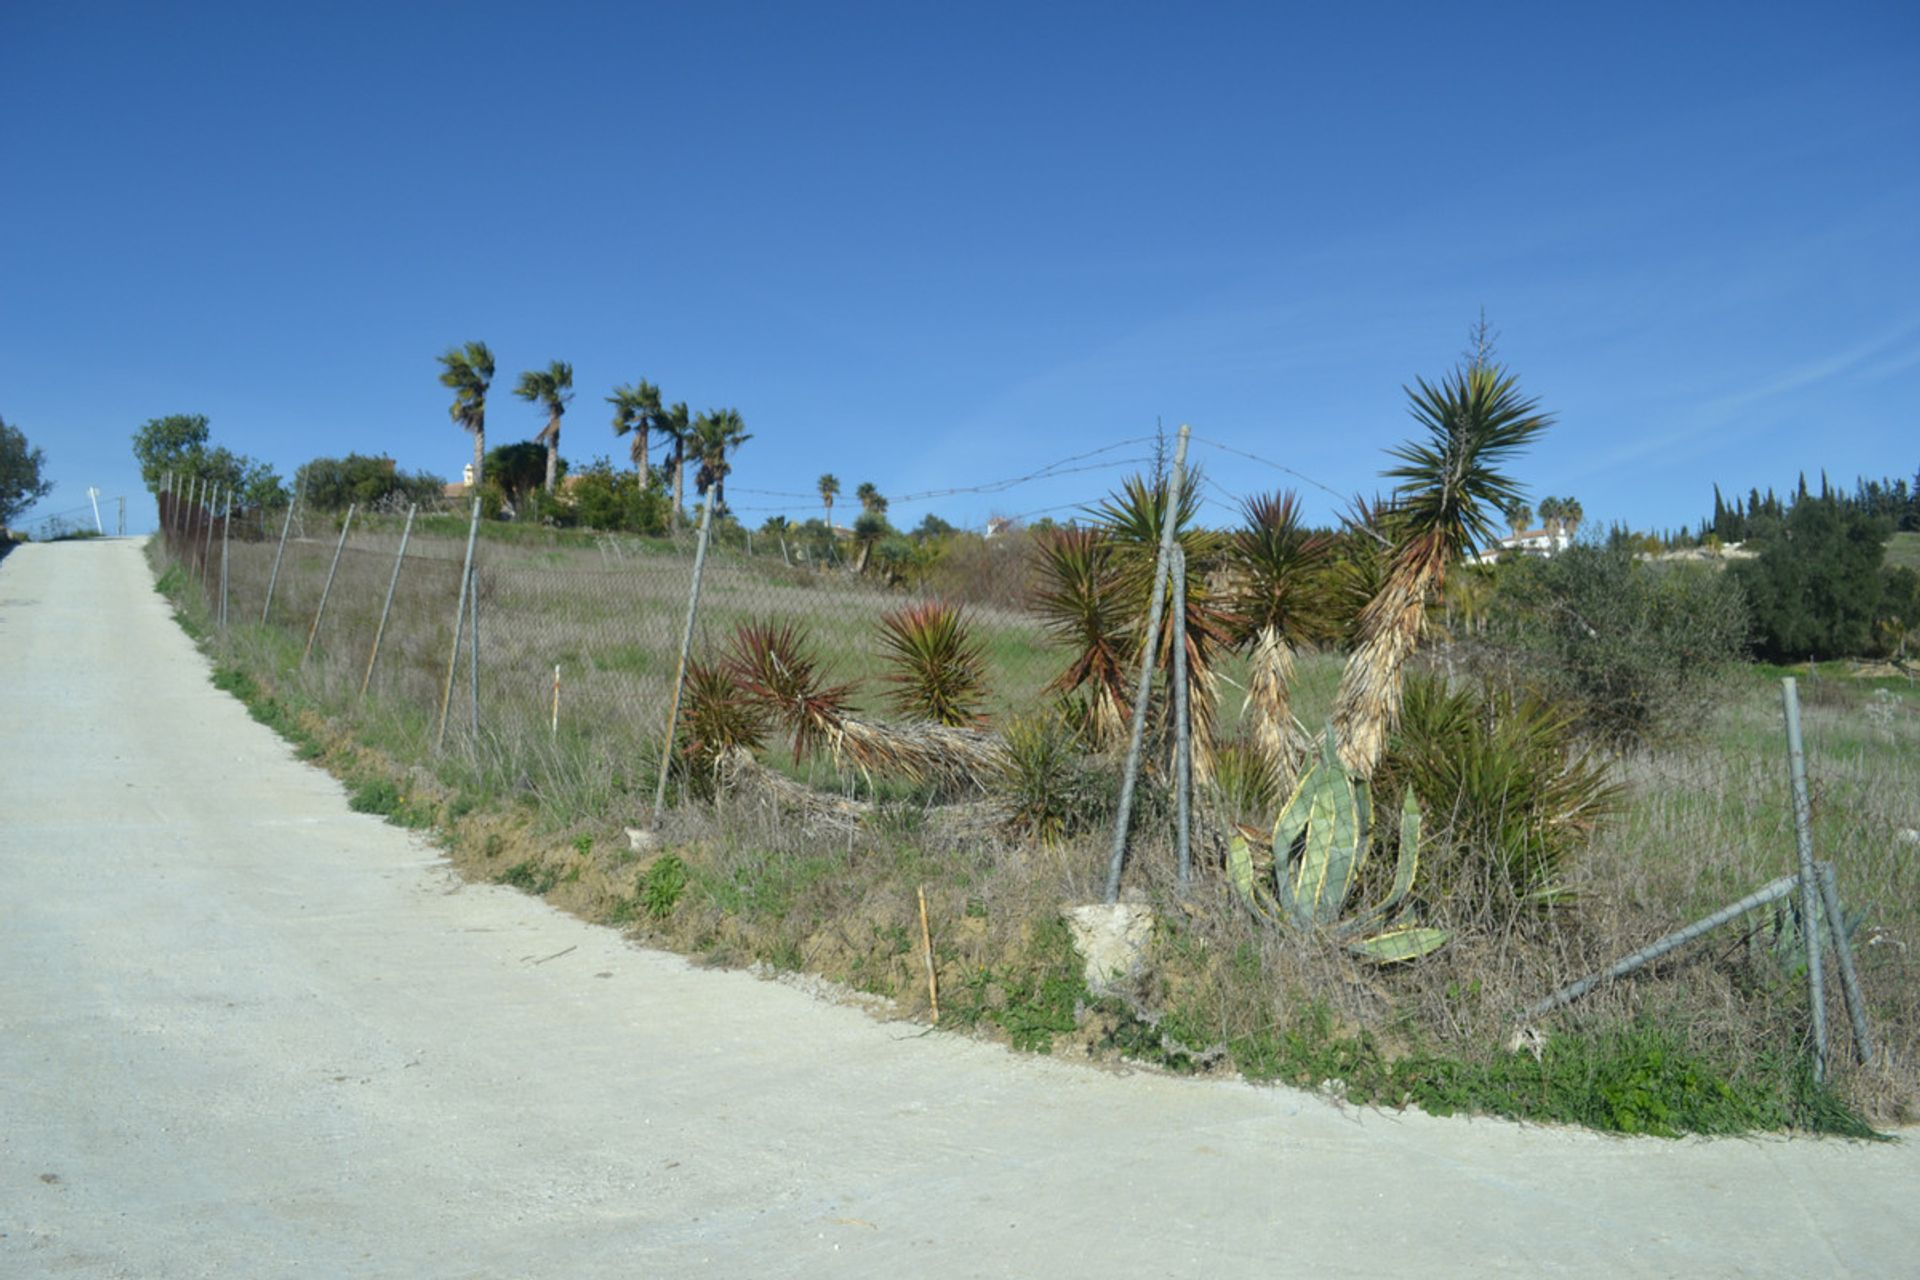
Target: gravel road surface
246,1032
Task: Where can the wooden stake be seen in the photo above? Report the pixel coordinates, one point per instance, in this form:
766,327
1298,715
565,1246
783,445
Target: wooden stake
554,731
926,940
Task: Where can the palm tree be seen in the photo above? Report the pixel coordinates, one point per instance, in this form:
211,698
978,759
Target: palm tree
1277,600
716,433
635,410
829,489
468,370
1551,512
870,500
1476,419
675,426
1519,516
1571,515
553,388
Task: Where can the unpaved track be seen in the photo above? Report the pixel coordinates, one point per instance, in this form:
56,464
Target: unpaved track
246,1032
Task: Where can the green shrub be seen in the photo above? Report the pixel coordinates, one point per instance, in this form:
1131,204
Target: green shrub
1048,789
1818,585
1637,649
660,888
1510,796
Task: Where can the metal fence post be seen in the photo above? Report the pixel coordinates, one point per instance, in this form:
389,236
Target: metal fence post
274,577
392,585
1771,892
1809,886
327,590
1182,725
1849,977
473,650
1118,860
680,669
226,525
459,622
206,551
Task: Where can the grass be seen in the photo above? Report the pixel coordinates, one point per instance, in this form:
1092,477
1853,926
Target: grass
1712,1041
1903,550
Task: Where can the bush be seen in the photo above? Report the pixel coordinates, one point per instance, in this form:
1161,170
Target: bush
330,484
1817,587
1637,649
1510,797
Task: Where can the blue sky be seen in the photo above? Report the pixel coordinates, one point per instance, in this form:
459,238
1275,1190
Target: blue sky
937,246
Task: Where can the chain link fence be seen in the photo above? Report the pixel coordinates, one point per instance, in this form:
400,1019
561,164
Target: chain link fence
578,633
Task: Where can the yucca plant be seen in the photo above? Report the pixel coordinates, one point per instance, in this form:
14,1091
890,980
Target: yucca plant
1277,600
1514,795
716,719
1320,846
940,670
1046,789
774,664
1079,602
1131,521
1246,781
1451,490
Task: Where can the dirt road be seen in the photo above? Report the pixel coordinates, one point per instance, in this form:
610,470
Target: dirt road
246,1032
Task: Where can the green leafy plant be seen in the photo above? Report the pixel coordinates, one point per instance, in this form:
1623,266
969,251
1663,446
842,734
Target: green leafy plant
1045,787
774,664
939,669
716,718
1320,844
1516,798
662,885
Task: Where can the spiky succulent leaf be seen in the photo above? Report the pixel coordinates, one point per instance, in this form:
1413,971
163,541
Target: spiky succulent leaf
1245,882
1396,946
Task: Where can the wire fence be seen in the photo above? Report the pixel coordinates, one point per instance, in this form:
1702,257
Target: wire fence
578,633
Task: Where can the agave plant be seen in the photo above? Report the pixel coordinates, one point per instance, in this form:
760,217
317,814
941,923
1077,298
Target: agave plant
1451,488
939,669
1320,845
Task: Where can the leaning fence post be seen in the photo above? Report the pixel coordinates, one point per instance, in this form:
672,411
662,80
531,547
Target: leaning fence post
1771,892
1809,887
1148,652
459,621
279,551
393,584
1849,978
327,590
1182,725
680,669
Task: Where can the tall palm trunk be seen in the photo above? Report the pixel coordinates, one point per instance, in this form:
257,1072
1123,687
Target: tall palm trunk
679,478
479,453
552,433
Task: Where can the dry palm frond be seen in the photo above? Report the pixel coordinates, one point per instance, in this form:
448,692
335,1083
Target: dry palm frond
947,756
1277,596
740,772
1269,710
1368,704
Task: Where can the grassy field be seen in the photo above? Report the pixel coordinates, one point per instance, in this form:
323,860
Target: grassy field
744,880
1903,550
